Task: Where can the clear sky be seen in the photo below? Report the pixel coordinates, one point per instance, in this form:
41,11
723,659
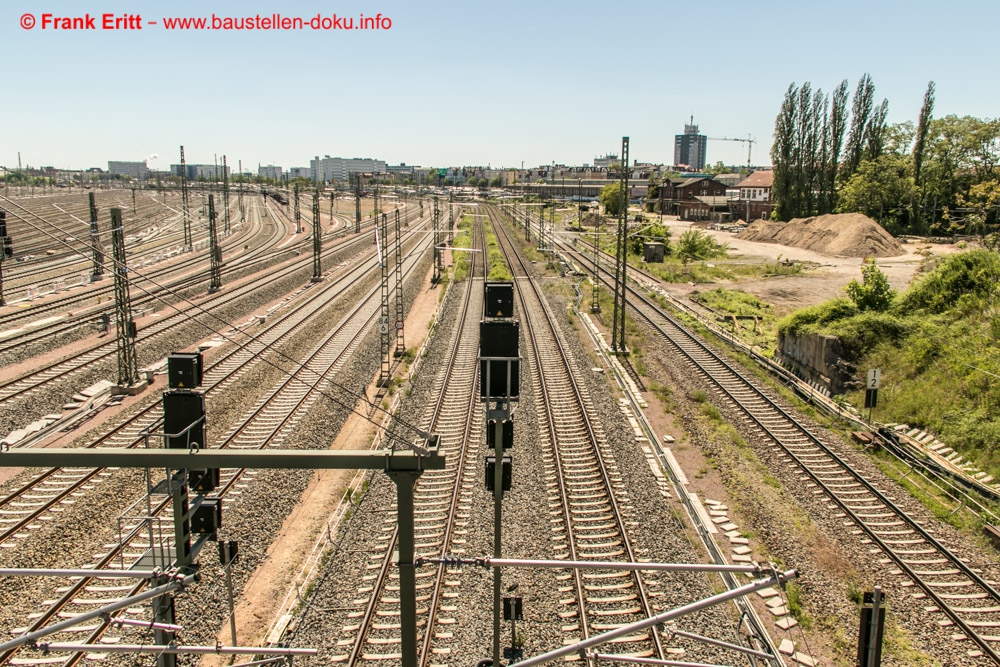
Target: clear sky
467,83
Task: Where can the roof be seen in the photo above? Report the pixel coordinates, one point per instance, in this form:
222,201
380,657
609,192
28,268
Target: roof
758,179
714,202
690,181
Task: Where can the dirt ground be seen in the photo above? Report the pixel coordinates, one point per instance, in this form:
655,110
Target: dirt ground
824,278
282,569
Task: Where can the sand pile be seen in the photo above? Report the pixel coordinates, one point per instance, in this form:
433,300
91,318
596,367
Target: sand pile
841,234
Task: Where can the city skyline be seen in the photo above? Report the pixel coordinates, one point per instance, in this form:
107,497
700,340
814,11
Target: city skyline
451,84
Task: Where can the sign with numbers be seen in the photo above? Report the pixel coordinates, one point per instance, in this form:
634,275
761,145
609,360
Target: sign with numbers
874,376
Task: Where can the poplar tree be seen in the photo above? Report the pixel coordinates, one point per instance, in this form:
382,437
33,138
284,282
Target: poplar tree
861,111
923,124
782,151
838,125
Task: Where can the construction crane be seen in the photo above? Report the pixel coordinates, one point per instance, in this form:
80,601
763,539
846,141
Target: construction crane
749,141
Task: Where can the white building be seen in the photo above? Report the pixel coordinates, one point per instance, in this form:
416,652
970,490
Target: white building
339,169
137,170
269,171
301,172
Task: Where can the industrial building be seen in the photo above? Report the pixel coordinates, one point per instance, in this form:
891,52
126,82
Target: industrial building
137,170
331,169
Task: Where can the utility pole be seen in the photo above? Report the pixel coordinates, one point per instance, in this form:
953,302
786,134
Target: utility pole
214,250
357,203
317,241
97,272
188,243
240,193
438,259
400,346
128,366
621,259
5,248
225,191
382,246
298,214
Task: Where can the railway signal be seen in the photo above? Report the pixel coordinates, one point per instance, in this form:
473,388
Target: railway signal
499,382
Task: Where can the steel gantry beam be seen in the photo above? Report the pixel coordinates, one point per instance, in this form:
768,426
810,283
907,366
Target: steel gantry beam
621,260
128,366
402,466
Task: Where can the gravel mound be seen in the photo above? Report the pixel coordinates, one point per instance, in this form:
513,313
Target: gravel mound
839,234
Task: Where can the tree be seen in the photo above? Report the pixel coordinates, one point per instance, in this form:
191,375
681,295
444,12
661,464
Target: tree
923,126
496,182
838,124
860,113
882,189
718,168
783,157
612,197
873,292
652,233
694,244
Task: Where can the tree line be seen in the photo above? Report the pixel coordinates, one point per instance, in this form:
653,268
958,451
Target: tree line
835,153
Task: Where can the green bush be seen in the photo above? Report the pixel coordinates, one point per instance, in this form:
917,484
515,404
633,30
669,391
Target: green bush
972,276
814,318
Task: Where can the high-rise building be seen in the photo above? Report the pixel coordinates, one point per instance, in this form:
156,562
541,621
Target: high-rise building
689,148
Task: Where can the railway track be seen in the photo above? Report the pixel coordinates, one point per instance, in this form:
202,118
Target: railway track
36,499
189,269
583,482
60,371
441,503
266,424
967,601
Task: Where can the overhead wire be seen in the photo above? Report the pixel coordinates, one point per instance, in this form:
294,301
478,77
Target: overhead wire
292,374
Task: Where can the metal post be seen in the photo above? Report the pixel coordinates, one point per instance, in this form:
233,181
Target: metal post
128,366
214,251
225,192
357,203
317,241
382,247
188,243
298,214
3,250
873,627
97,272
163,616
400,346
438,259
497,516
621,260
407,575
240,193
232,606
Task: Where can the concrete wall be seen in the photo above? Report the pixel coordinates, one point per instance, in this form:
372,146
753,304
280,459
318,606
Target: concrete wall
817,359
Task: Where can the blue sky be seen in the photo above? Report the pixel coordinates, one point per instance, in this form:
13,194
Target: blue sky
453,83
